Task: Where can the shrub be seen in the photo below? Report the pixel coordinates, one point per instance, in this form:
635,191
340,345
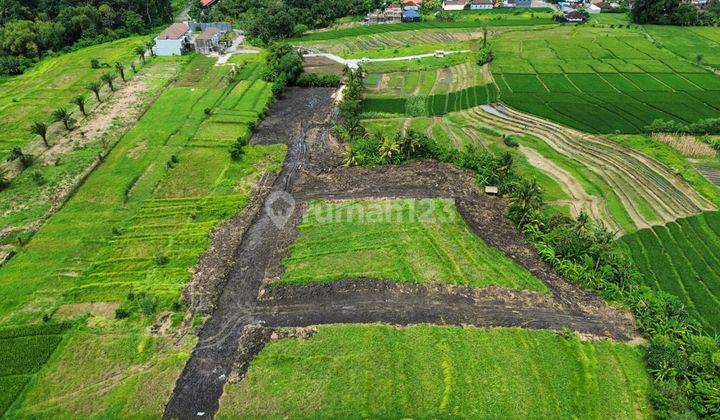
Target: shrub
510,142
162,260
484,56
122,313
318,80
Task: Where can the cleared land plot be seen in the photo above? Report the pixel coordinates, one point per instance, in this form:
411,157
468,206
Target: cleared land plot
683,258
424,82
404,240
52,83
429,372
599,83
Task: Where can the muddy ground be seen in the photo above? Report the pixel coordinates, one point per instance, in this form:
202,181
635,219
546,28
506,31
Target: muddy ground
245,309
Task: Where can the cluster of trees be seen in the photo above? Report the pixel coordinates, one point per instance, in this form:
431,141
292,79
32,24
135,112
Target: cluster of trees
267,20
29,29
705,127
681,357
674,12
283,66
64,115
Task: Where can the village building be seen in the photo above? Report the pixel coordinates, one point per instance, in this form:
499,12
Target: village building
174,40
208,41
574,17
411,16
482,4
509,3
454,4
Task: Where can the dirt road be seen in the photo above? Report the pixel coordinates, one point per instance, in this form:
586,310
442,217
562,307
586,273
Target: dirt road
248,308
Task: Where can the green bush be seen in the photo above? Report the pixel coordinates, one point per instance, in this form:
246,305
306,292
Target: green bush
318,80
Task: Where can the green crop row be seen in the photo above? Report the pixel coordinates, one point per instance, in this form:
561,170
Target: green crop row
439,104
683,258
10,388
34,329
24,355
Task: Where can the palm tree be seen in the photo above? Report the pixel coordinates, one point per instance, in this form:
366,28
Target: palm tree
95,88
120,69
140,51
80,102
40,129
504,165
62,114
525,202
389,149
485,32
109,78
132,66
149,45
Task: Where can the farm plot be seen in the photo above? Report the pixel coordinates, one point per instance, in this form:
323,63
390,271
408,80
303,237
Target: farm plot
131,234
57,170
431,372
51,83
23,352
639,191
161,152
435,104
404,240
683,258
626,81
425,82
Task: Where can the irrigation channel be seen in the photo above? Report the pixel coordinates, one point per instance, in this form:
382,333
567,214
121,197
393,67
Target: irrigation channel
246,308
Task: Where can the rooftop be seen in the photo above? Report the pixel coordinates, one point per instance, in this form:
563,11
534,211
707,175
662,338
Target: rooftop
174,31
208,33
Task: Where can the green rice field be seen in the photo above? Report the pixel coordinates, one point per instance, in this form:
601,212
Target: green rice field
601,80
683,258
423,241
376,371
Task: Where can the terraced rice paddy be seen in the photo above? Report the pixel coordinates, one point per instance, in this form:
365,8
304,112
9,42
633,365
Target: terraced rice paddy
404,240
618,185
683,258
53,83
133,230
425,371
601,80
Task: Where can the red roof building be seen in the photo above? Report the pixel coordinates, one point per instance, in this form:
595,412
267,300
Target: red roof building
207,3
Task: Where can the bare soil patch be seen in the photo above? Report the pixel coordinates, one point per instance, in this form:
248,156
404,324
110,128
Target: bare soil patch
99,309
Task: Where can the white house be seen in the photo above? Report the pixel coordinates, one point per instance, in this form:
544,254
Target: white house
454,4
593,9
174,40
481,4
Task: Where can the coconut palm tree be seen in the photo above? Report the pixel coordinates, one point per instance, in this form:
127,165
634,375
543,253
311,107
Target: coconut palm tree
80,102
62,114
120,69
40,129
149,45
108,78
525,202
389,149
95,87
140,51
504,165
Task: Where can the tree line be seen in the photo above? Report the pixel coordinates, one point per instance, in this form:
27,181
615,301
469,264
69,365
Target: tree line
30,29
674,12
266,20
